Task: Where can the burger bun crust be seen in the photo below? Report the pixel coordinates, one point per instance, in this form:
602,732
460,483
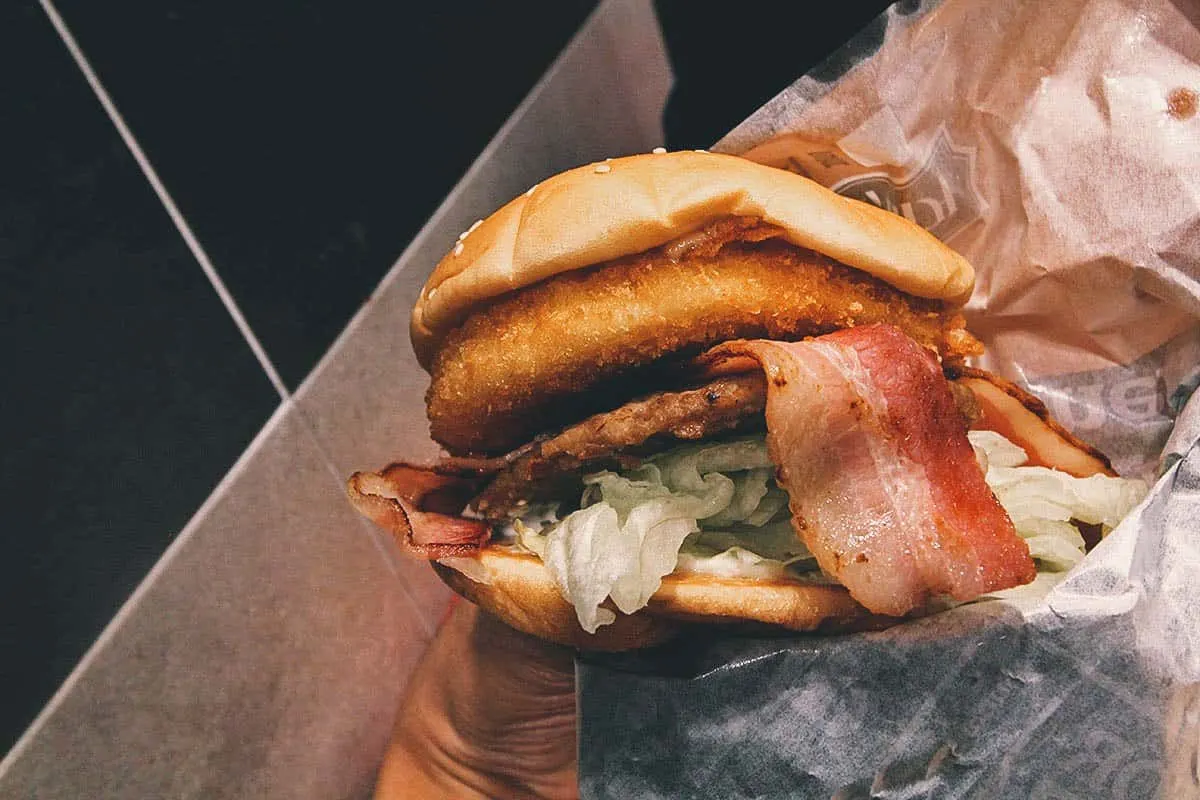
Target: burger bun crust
521,592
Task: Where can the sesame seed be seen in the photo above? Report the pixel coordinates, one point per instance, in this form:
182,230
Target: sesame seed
701,151
603,168
431,293
458,248
659,150
470,230
530,192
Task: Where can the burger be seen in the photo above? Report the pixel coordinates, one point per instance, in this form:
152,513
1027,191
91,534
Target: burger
682,389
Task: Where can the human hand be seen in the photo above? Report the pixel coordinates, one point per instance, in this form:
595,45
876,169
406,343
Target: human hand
490,712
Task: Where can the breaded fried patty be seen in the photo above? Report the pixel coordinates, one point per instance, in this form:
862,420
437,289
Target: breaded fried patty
574,344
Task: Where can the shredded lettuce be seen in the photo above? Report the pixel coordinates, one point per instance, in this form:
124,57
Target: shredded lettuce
736,561
715,508
1042,502
631,526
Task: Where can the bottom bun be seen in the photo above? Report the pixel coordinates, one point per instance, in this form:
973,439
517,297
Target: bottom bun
520,591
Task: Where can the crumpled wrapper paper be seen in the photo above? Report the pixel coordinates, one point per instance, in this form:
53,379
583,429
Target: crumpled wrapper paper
1057,146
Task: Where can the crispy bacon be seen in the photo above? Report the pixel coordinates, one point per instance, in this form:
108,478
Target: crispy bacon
408,501
884,487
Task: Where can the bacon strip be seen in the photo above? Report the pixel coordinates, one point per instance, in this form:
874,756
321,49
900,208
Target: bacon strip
406,501
884,486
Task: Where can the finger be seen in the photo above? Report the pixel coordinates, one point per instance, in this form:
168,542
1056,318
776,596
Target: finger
488,703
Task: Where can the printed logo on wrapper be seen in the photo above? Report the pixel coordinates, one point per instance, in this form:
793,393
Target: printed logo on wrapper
1103,766
1129,411
940,195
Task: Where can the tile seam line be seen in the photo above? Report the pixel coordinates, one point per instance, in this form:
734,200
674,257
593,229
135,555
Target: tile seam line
364,525
165,198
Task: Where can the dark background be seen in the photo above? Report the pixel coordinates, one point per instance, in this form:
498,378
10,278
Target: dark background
305,143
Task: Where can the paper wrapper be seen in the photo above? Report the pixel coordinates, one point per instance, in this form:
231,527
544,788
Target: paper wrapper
1057,146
